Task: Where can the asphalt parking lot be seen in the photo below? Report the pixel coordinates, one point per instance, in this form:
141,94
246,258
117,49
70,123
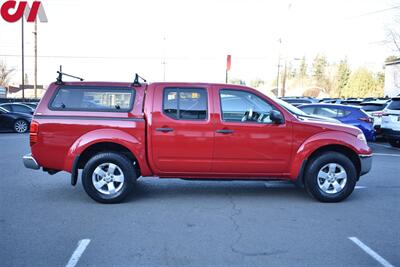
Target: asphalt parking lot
181,223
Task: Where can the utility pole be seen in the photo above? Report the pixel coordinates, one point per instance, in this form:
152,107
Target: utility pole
35,74
165,55
279,65
23,60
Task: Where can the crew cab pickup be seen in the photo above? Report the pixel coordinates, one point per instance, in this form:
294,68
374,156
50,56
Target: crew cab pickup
117,132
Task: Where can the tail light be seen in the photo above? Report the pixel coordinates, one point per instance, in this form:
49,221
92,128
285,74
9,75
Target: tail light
33,133
366,119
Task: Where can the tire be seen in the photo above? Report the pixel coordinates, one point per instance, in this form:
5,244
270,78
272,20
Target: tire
21,126
107,185
394,143
330,177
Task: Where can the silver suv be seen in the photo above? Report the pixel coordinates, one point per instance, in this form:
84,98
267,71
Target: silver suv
391,122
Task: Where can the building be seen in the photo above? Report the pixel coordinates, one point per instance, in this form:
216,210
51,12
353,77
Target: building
16,92
392,78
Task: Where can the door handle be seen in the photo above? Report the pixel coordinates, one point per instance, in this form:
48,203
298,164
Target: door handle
225,131
164,130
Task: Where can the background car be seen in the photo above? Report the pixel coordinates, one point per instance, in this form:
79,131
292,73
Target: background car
17,122
297,101
375,109
391,122
346,114
18,108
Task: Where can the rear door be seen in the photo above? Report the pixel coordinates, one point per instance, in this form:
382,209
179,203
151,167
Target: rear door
249,147
181,128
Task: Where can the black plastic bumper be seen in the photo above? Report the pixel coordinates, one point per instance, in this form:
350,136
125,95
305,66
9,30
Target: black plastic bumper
366,164
390,134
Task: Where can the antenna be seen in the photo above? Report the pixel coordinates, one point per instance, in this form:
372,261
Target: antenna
61,74
136,82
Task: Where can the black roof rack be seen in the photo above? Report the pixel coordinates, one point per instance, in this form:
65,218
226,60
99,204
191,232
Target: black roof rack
136,82
61,74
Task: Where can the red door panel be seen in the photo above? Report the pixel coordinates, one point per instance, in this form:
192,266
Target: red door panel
184,144
249,147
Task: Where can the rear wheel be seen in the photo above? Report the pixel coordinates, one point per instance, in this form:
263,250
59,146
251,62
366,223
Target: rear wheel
330,177
394,142
21,126
108,177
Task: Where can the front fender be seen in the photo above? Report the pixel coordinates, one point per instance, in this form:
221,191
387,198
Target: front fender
135,145
310,145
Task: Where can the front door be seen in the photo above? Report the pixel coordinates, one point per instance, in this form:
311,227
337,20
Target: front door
182,131
247,142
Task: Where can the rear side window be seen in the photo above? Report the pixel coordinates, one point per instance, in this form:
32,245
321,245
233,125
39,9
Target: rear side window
21,109
185,103
114,99
373,107
395,104
332,112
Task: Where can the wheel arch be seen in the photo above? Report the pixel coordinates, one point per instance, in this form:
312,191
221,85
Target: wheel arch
342,149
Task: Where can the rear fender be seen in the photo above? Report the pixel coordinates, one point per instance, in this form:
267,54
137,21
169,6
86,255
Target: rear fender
135,146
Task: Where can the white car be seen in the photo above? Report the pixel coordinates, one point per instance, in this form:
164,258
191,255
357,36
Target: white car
375,110
391,122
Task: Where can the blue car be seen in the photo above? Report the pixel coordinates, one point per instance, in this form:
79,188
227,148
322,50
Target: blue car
352,115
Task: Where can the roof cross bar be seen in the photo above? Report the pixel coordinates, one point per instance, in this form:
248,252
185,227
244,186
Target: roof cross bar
136,82
61,74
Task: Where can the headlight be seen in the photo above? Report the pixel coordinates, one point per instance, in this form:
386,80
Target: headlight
362,138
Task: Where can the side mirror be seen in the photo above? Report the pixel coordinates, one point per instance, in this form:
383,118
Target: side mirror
276,117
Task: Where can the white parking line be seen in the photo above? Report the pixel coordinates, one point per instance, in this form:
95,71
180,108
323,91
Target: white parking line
82,244
360,187
384,154
370,252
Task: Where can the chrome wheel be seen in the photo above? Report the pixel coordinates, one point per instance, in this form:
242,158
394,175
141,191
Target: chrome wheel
332,178
108,178
21,126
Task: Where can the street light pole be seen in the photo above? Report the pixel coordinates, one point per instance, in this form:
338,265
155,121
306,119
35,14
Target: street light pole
23,60
35,74
279,65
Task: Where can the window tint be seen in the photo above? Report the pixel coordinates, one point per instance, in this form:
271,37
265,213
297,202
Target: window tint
395,104
93,99
7,107
185,103
373,107
241,106
331,112
308,110
21,109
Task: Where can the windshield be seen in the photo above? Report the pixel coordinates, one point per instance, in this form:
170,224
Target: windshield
3,110
292,109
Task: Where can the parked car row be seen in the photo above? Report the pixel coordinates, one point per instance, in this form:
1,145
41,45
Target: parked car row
376,117
16,116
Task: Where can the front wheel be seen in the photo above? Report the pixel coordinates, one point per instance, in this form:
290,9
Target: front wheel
108,177
394,143
330,177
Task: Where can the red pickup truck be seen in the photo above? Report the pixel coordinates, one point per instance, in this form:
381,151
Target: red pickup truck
118,132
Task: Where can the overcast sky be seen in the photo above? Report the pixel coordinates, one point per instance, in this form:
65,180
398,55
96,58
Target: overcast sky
111,40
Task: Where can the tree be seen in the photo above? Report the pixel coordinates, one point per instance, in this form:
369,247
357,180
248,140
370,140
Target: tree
5,74
362,83
303,68
342,76
319,66
256,83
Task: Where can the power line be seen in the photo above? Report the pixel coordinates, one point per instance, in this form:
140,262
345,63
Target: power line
376,12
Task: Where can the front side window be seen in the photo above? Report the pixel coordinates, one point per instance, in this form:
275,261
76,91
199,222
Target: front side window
185,103
242,106
93,99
